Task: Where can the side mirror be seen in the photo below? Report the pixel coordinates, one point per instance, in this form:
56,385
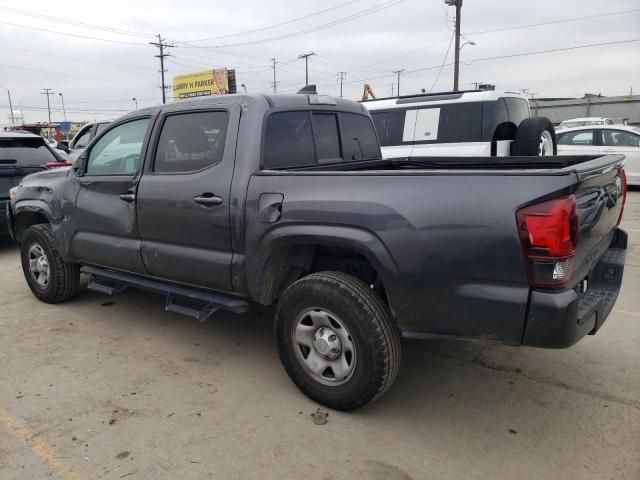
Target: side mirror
78,164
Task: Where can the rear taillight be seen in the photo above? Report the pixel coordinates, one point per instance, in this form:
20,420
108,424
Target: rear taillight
623,178
549,235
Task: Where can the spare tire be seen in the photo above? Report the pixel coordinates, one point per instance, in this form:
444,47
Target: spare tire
535,137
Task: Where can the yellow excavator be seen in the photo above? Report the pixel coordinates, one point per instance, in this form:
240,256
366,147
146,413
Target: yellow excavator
367,92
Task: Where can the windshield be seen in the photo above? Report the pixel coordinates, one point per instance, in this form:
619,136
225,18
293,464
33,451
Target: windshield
26,151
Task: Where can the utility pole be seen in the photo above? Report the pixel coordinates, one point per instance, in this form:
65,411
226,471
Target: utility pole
64,111
48,93
275,82
393,87
13,120
456,66
162,44
306,66
398,83
341,76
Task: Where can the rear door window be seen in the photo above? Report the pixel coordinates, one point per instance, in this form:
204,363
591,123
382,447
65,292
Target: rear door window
619,138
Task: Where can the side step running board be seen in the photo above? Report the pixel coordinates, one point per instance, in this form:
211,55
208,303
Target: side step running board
202,303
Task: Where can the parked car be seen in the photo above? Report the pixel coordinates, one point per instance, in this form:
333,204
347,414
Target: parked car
585,122
22,153
470,123
221,202
603,140
80,141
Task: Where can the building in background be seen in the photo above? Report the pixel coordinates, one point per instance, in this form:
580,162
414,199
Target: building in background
622,109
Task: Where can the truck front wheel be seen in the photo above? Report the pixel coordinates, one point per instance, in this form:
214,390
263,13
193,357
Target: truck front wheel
49,277
337,340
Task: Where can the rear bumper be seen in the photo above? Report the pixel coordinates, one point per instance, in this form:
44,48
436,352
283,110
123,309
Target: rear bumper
560,319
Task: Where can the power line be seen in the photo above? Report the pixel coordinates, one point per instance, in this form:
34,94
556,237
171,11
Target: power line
444,60
359,14
269,27
76,23
65,74
73,59
74,35
574,19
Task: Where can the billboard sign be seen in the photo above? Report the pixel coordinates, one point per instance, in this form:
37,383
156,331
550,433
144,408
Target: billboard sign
203,84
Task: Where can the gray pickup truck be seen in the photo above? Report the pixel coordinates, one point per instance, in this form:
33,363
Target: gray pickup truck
221,202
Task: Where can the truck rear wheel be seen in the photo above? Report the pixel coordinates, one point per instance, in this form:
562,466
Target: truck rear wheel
535,136
49,277
337,340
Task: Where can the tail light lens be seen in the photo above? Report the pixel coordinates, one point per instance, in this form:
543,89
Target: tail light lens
623,178
549,235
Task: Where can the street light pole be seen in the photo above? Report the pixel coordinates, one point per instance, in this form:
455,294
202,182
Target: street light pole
64,111
135,100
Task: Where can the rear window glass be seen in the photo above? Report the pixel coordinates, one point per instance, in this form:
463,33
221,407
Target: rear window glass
289,142
25,152
304,138
325,134
359,138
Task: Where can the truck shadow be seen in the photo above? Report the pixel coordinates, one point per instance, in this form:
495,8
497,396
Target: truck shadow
441,384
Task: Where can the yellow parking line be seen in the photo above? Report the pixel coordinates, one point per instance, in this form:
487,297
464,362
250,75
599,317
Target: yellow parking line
627,312
43,450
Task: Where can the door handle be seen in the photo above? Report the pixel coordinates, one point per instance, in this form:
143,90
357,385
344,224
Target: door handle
208,200
127,197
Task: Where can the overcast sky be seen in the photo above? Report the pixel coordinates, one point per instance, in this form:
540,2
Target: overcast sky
367,39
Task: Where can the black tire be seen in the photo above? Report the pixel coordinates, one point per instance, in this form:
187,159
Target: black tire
368,321
529,134
63,278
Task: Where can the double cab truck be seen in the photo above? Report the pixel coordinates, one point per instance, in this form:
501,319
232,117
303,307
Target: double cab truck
221,202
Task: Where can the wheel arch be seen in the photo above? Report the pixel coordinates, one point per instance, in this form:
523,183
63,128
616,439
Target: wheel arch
287,254
27,214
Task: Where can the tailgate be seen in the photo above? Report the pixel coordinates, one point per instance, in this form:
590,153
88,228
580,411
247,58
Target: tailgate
600,199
